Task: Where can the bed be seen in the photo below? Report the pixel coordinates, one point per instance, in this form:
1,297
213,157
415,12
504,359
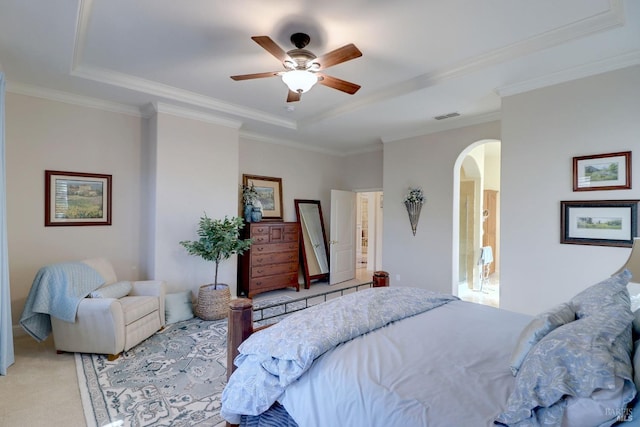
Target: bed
409,357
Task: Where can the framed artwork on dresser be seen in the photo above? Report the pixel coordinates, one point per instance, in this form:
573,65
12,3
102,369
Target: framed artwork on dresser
269,193
611,171
599,222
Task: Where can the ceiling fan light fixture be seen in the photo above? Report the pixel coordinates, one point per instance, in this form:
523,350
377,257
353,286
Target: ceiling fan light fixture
299,80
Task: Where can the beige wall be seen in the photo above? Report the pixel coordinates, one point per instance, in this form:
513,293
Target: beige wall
426,259
196,167
542,131
42,134
167,171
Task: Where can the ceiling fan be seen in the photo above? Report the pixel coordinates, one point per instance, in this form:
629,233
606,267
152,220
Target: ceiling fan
302,67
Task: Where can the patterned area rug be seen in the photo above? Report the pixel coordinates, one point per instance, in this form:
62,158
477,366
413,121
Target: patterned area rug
175,378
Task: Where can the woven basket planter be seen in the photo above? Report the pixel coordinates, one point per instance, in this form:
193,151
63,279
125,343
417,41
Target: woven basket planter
213,304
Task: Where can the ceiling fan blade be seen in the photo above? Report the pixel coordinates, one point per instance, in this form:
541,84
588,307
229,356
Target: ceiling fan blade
336,83
338,56
293,96
255,75
272,47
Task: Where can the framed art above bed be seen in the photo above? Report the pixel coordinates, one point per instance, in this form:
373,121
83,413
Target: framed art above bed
599,222
611,171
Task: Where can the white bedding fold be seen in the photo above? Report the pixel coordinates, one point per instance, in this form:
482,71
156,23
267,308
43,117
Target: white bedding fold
444,367
272,359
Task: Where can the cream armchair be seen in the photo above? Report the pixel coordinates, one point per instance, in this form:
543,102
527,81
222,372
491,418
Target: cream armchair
112,325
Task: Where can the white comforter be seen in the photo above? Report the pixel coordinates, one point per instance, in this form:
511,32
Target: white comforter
444,367
273,359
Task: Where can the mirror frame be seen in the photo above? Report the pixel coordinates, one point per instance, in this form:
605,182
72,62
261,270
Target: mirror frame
303,250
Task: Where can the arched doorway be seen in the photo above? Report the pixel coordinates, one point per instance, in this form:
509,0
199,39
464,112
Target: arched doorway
477,223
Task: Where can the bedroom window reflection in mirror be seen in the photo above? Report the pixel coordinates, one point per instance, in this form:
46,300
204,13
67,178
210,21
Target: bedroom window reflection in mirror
314,252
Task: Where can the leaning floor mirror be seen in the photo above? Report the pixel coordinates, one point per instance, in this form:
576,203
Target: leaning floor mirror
315,255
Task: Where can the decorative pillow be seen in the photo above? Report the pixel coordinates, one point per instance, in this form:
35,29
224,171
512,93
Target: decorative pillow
636,364
608,292
178,307
578,359
114,290
540,326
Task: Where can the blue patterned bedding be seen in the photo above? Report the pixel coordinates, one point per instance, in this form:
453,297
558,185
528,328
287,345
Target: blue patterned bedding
57,290
587,360
444,366
272,359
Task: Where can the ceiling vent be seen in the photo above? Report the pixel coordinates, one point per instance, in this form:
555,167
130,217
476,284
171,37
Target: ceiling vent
446,116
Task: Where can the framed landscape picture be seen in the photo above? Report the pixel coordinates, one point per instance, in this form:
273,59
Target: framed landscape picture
75,198
602,172
269,193
602,222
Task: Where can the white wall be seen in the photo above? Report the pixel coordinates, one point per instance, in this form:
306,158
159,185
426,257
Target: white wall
305,174
196,168
167,171
43,134
541,132
424,260
363,171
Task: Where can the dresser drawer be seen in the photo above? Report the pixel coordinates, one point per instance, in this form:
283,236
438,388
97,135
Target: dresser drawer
276,282
259,229
274,258
273,247
270,270
259,238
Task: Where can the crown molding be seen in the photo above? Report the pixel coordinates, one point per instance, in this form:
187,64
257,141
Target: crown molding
587,70
448,124
174,110
69,98
611,18
288,143
85,8
178,95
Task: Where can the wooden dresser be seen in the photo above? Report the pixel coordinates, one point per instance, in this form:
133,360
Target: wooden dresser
272,260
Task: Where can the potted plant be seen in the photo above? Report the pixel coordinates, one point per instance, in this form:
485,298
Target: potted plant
219,239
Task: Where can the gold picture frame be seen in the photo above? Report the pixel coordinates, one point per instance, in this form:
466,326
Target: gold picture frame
269,193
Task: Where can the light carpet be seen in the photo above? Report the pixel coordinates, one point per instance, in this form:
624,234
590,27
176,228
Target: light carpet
175,378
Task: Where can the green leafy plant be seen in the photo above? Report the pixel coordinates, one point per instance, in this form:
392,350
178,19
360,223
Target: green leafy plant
219,239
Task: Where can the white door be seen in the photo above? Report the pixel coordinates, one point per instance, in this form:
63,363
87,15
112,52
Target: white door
342,244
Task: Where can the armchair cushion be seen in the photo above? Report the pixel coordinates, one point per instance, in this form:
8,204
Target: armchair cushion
114,290
104,268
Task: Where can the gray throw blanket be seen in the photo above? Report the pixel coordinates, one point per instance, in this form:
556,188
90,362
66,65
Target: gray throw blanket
57,291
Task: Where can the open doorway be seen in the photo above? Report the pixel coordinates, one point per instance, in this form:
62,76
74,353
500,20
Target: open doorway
368,233
479,224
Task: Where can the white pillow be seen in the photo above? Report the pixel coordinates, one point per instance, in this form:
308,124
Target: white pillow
178,307
114,290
